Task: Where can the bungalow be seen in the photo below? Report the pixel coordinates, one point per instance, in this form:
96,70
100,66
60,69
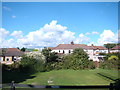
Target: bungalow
9,55
92,51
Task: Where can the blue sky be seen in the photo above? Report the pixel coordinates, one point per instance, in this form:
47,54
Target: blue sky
85,22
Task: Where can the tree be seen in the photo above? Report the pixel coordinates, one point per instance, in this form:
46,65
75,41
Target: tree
109,46
32,62
50,56
23,49
77,60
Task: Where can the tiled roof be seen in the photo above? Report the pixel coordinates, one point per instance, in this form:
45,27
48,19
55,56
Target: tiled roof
73,46
99,47
11,52
117,47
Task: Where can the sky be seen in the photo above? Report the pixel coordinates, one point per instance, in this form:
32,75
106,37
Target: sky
47,24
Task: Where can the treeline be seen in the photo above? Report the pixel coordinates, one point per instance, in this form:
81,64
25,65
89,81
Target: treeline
47,61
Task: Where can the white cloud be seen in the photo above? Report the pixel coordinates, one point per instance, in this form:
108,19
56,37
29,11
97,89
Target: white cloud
13,16
107,37
3,34
82,39
17,34
94,32
49,35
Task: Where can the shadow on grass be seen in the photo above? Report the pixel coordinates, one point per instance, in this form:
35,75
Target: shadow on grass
9,76
108,77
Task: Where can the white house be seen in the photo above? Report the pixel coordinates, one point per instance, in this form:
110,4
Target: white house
92,51
115,49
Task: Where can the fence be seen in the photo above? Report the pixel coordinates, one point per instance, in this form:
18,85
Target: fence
13,86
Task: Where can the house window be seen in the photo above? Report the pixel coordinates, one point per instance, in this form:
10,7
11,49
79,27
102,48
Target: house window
7,59
63,51
69,51
4,58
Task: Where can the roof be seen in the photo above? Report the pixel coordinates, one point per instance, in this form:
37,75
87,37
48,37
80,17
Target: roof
51,48
99,47
73,46
11,52
117,47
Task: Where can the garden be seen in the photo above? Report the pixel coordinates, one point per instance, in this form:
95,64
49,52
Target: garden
47,68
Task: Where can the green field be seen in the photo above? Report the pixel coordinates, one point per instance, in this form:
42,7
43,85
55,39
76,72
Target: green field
65,77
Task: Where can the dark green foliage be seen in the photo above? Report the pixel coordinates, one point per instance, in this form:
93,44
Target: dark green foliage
30,64
109,46
77,60
111,61
50,56
23,49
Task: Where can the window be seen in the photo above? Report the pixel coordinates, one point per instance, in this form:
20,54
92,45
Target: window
7,59
69,51
63,51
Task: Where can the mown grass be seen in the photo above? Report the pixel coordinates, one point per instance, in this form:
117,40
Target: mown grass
73,77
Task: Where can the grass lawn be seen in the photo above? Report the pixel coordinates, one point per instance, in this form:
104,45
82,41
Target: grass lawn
73,77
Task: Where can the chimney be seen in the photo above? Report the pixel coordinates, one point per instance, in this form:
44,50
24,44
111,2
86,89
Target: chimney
72,43
92,45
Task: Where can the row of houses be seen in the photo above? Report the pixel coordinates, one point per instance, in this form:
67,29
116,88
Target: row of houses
9,55
92,51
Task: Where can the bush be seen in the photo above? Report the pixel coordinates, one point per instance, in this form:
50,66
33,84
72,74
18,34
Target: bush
32,62
111,62
77,60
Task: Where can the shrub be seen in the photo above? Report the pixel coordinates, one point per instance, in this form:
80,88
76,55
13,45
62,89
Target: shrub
32,62
77,60
111,62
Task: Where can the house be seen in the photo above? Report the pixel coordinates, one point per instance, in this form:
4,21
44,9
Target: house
92,51
9,55
115,49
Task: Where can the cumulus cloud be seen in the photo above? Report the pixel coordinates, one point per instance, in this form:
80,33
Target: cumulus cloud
3,34
107,37
17,34
50,34
82,39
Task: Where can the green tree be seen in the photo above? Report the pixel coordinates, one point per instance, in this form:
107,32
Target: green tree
109,46
50,56
23,49
77,60
32,62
